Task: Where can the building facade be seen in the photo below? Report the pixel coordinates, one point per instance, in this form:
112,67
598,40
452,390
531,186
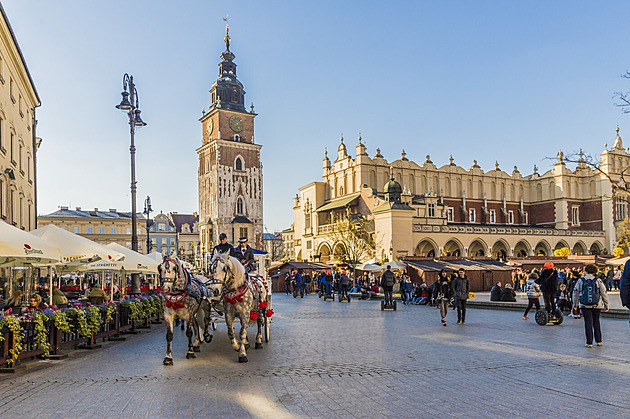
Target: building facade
18,140
457,211
163,235
103,227
188,243
230,170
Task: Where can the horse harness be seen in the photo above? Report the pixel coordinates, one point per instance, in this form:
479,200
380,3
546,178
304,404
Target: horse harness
194,288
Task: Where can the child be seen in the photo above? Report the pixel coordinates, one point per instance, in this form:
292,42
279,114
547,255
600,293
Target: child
562,298
533,294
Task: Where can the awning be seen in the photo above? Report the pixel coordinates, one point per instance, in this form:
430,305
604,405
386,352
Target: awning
338,203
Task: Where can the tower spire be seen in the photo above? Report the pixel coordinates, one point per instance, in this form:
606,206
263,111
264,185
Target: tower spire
227,33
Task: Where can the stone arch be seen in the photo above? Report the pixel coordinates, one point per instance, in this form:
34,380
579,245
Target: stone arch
500,250
542,249
239,163
522,249
426,248
338,251
477,248
561,244
579,248
453,247
596,248
324,252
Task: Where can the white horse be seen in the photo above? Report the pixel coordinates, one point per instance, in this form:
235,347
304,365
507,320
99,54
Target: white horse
186,298
243,297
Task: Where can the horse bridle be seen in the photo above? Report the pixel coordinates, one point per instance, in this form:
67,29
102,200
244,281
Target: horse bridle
179,272
227,270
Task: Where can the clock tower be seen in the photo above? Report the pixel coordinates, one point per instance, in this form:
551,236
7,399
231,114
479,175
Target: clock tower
230,170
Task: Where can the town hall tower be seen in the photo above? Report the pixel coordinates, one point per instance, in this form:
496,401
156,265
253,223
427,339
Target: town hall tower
230,170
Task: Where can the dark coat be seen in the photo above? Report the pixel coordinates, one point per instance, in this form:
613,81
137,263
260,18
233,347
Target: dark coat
248,255
461,288
508,294
495,293
548,281
624,287
223,248
442,286
388,279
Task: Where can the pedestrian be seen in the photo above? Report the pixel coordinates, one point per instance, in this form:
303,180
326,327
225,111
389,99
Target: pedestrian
548,281
344,283
408,289
387,282
591,297
287,284
533,294
461,290
443,293
617,278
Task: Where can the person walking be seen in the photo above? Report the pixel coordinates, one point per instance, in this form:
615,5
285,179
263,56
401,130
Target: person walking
591,297
461,290
287,284
387,282
408,289
344,282
442,294
533,294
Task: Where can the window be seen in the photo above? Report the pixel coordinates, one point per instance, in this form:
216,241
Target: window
450,214
526,218
139,245
101,230
163,241
76,230
1,206
239,206
20,106
63,227
153,241
575,219
11,89
11,148
161,227
21,150
309,244
128,230
89,230
621,206
471,215
431,210
239,164
28,168
243,233
493,216
2,136
128,245
139,231
1,70
113,230
510,217
237,138
172,242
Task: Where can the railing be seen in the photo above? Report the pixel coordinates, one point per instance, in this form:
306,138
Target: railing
120,323
522,231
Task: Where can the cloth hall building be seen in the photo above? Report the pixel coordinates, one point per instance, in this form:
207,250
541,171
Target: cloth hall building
448,210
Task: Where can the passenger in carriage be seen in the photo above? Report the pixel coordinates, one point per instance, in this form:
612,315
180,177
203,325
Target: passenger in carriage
223,246
245,254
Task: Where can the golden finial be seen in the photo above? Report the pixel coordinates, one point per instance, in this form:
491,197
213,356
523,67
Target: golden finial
617,129
227,33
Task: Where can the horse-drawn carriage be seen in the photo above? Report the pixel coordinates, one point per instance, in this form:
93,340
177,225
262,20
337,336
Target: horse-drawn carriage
231,292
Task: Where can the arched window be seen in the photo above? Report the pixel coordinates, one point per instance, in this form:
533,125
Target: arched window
239,206
238,164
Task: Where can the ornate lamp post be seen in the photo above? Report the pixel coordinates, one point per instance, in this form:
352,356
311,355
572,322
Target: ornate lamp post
131,105
147,211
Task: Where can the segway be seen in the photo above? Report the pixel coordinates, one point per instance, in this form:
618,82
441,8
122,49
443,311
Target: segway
387,306
542,317
341,298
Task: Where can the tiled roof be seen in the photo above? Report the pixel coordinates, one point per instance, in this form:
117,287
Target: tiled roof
181,219
77,213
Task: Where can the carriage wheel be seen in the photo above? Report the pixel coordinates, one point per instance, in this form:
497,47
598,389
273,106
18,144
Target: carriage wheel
267,328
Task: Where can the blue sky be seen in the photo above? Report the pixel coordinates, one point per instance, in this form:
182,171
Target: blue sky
485,80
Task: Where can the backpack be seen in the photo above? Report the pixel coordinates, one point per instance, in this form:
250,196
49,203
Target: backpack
588,296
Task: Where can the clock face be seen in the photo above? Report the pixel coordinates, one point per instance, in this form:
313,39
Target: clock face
236,123
209,127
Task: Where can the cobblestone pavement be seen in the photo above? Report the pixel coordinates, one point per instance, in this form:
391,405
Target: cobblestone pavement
330,359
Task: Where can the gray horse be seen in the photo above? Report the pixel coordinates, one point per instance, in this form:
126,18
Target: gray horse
243,297
186,299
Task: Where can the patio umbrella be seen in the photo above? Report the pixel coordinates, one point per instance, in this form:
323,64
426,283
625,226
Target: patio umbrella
156,256
370,267
19,248
134,262
76,250
618,261
395,265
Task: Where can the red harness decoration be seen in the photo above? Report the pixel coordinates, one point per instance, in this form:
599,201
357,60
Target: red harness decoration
236,295
174,301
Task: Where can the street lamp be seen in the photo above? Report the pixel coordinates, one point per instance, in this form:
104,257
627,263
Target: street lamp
147,211
131,105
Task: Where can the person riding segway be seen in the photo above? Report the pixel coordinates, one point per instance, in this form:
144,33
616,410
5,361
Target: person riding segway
548,282
387,282
344,282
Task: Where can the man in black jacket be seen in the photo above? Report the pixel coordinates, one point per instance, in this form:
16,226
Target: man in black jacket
245,254
495,292
461,289
548,282
223,246
387,282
